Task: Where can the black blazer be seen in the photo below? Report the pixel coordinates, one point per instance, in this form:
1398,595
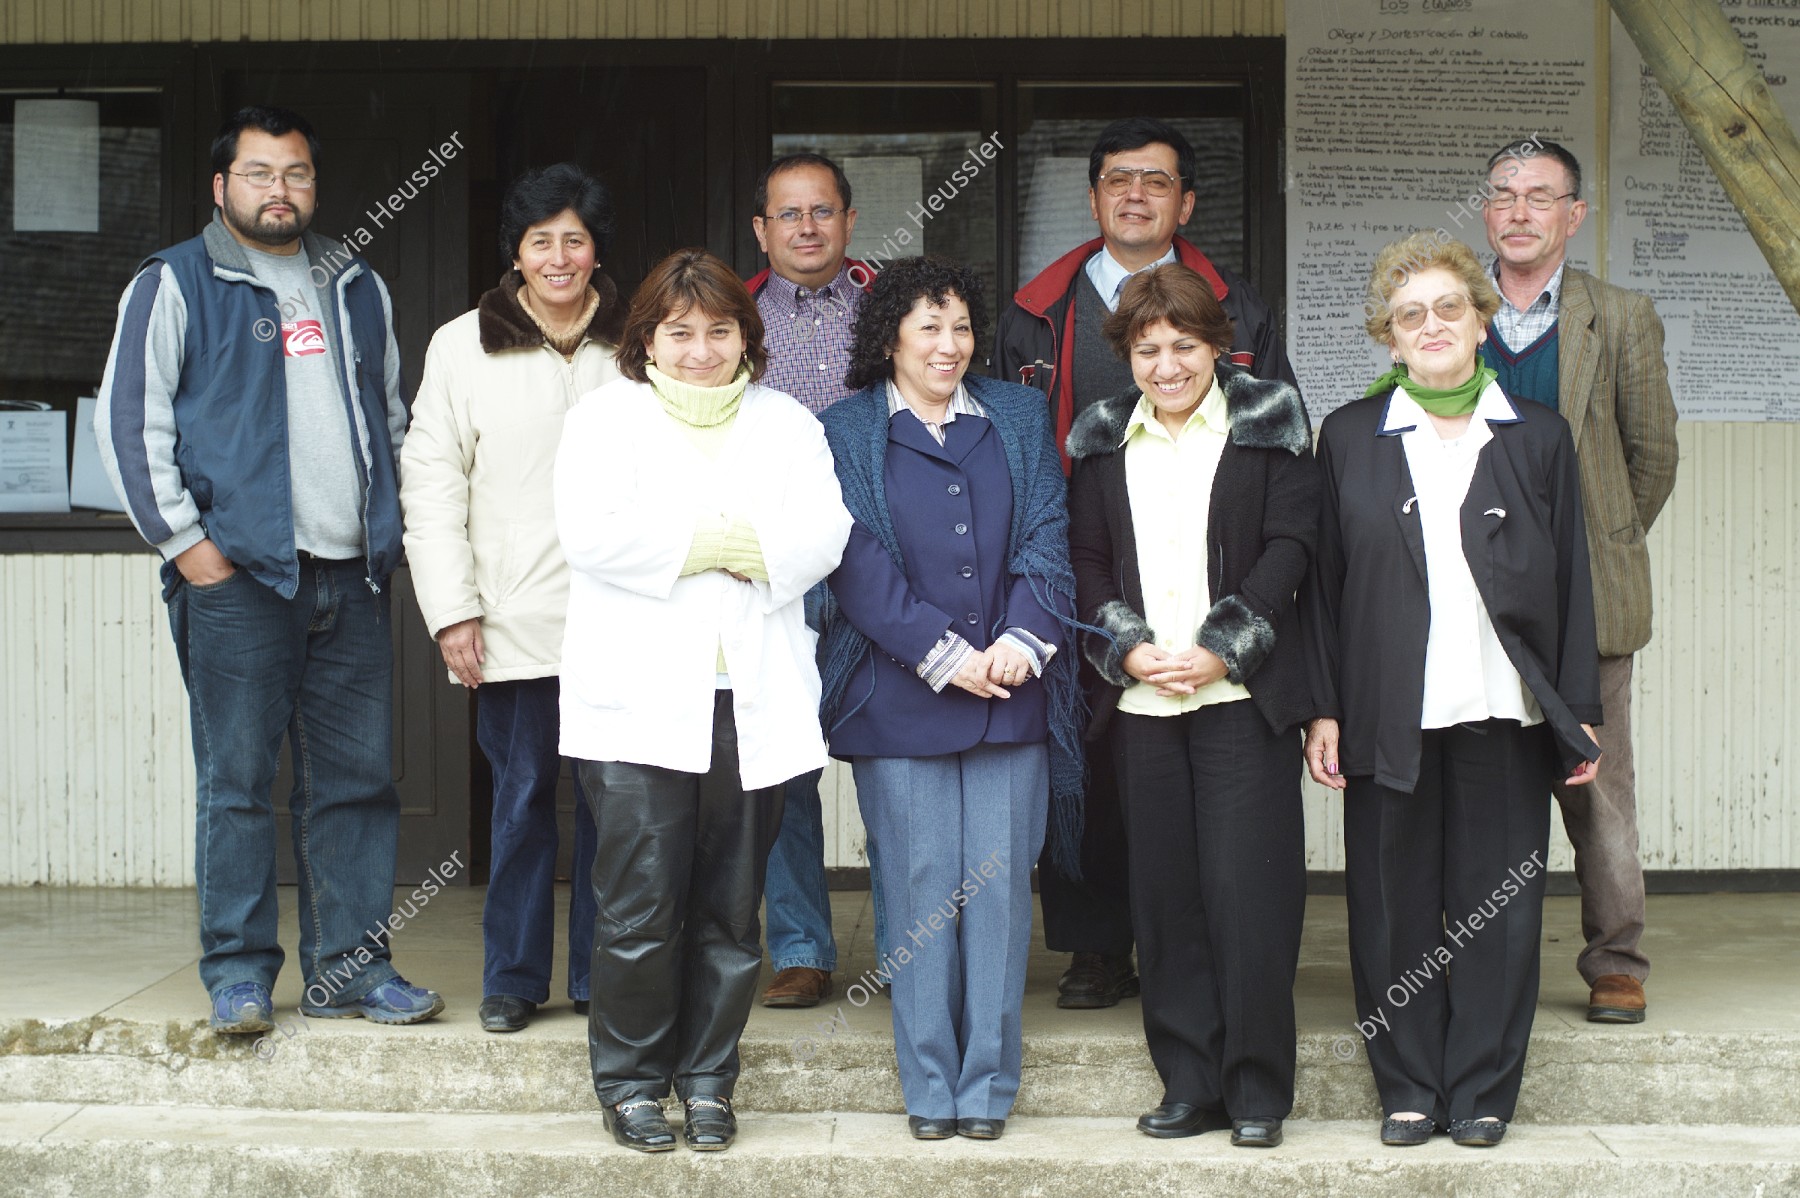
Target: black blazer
1262,520
1365,607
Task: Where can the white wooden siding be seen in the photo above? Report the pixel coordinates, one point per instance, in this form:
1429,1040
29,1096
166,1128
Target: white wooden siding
96,785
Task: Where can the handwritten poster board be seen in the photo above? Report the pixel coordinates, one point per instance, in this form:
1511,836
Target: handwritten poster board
1733,339
1393,108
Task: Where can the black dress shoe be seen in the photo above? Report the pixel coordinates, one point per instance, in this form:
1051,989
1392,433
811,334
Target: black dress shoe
1095,980
1173,1120
710,1125
581,1006
1477,1133
1255,1133
981,1129
505,1013
638,1123
1404,1133
930,1129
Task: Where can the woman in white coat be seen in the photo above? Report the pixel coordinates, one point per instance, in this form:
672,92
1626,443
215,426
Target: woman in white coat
696,509
486,567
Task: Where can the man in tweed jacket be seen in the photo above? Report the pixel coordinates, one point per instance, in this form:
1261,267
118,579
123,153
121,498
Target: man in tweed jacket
1594,352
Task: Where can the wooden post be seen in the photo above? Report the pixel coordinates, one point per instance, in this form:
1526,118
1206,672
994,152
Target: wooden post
1697,57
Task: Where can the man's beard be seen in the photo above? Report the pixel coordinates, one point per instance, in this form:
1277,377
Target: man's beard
268,230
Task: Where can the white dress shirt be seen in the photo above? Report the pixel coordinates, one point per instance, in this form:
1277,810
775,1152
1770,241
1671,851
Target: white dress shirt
1468,676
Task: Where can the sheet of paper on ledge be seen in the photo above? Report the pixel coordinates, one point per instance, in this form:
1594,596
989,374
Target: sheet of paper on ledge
34,464
88,484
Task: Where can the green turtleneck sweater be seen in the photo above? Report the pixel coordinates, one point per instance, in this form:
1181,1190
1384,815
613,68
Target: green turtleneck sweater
706,414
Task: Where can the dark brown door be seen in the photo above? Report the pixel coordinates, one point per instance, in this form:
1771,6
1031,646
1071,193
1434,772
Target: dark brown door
374,131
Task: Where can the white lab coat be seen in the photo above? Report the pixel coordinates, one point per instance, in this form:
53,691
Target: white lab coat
639,662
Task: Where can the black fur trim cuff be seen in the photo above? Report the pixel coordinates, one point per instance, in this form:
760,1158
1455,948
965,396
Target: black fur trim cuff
1124,631
1241,638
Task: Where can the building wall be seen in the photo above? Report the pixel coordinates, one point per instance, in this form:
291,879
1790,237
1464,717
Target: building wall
97,780
96,777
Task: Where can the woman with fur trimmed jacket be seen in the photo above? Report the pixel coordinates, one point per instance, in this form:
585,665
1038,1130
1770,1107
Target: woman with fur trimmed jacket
487,568
1194,508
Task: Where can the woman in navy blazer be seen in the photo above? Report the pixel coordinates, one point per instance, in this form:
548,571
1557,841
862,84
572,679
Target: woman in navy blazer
949,681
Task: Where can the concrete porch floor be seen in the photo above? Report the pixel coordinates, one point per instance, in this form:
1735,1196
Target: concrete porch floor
1724,963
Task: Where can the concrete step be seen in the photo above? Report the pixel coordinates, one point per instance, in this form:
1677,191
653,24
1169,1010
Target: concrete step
54,1149
826,1062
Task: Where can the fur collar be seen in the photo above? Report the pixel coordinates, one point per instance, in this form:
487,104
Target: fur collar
505,325
1265,414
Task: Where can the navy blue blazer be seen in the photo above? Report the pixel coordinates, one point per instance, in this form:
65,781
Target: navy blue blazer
952,509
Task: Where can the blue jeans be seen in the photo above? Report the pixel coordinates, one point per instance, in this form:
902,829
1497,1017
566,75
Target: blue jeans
797,901
317,668
517,725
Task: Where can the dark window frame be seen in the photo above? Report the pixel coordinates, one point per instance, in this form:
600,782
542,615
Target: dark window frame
739,77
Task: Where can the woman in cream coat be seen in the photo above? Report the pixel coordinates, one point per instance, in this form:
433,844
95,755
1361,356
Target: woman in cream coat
696,509
486,566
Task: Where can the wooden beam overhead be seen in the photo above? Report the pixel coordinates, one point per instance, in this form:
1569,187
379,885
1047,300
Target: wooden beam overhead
1708,76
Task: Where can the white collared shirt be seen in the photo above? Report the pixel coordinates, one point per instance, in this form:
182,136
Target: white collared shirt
1108,276
1468,676
1169,482
961,404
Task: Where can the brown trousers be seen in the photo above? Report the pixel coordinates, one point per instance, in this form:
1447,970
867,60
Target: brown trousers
1601,820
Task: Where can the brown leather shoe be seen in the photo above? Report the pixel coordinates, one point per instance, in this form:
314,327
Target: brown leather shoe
798,987
1616,998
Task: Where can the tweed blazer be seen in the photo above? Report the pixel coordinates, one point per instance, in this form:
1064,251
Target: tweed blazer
1614,392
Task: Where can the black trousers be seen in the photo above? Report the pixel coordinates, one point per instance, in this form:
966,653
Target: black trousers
1092,915
1218,893
1446,895
678,877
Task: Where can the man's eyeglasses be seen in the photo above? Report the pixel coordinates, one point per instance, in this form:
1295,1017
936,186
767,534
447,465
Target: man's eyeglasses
820,215
296,179
1450,309
1156,183
1541,201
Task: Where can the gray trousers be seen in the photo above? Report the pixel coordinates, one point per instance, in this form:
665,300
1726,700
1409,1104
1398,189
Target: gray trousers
958,834
1601,820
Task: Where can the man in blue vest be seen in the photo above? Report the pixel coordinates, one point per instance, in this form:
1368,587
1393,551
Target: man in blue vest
250,418
1593,352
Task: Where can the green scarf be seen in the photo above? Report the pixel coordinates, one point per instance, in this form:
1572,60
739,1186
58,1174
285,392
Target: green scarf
699,407
1454,401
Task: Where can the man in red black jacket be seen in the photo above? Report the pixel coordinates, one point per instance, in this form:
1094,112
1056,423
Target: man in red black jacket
1140,190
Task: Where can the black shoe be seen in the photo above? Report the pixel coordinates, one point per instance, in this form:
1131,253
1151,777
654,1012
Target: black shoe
930,1129
1404,1133
1255,1133
505,1013
638,1123
710,1125
581,1006
981,1129
1174,1120
1477,1133
1095,980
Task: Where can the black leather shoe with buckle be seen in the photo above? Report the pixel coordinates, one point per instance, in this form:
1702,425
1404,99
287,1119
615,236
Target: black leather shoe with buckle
638,1123
710,1125
1095,980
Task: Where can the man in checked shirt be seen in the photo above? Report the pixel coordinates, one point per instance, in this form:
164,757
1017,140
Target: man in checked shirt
808,298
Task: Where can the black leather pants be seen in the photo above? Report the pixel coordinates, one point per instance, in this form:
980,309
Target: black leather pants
678,878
